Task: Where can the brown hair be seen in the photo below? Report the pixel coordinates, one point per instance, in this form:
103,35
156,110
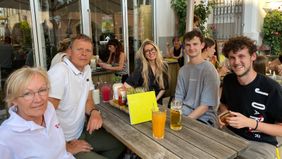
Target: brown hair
238,43
260,64
194,33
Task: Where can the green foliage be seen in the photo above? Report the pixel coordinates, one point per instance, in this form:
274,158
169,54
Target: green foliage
26,31
200,10
179,7
116,79
272,29
203,13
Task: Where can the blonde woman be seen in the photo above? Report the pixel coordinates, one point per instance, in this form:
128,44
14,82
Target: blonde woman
152,72
32,130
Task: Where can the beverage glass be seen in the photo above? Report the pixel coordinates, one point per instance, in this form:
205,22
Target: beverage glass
175,115
158,122
106,92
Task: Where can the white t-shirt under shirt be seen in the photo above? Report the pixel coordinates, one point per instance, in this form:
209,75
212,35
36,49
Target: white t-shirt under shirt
25,139
71,87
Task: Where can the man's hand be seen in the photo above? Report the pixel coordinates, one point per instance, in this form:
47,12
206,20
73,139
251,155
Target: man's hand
237,120
95,121
222,118
76,146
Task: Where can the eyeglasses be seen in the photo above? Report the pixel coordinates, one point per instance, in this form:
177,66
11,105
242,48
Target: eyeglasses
153,50
30,94
81,50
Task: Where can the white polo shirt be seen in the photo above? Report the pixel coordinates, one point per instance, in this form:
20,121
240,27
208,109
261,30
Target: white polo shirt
21,139
72,87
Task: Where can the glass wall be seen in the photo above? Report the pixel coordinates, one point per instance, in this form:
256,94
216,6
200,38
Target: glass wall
15,38
140,25
30,31
57,20
106,23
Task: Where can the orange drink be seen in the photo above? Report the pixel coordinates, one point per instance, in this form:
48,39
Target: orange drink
158,122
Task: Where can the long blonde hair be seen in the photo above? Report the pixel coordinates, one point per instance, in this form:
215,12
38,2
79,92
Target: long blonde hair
161,66
19,80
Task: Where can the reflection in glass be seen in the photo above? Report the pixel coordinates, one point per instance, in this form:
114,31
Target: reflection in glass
15,39
140,25
59,20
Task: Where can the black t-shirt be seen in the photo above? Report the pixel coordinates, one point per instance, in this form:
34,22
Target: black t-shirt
136,80
260,100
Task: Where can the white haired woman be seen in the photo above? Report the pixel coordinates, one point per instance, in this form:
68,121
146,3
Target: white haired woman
32,130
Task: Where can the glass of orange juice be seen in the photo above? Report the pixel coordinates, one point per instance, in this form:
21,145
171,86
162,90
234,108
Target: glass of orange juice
158,122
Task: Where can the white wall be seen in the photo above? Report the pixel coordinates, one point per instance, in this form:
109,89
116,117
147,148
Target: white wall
165,23
252,19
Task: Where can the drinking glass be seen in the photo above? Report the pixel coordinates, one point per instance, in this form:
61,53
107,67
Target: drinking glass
106,92
175,115
158,122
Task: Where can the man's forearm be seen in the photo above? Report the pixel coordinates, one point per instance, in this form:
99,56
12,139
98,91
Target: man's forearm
198,112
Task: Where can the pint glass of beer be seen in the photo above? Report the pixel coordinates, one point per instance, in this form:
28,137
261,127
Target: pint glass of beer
175,115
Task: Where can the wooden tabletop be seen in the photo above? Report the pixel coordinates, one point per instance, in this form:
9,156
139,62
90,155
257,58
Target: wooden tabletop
195,140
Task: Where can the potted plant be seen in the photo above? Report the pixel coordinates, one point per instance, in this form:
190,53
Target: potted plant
272,29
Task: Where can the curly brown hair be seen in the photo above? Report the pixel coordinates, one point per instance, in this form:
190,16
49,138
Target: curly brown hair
238,43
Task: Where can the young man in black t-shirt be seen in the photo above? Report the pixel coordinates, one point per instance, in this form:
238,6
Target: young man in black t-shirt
254,101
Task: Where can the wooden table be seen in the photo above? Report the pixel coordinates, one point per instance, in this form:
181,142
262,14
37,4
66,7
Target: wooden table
195,140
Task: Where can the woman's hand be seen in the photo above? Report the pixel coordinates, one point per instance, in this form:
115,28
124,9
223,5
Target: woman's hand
104,65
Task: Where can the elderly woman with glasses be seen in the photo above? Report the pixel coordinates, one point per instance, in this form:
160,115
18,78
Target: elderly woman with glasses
32,130
152,73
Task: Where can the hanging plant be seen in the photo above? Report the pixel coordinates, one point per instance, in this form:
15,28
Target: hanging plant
200,10
272,29
179,7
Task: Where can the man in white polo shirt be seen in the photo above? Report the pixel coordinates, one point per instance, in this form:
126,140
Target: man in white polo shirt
71,94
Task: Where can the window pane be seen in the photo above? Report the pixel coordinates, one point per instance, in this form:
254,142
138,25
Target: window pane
15,38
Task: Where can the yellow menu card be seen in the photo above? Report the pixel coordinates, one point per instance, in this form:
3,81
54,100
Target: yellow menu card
140,106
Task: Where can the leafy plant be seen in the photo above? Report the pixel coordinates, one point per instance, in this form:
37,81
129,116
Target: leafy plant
200,10
179,7
272,29
26,32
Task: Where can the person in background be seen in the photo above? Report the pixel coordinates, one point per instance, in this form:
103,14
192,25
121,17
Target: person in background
198,82
64,48
176,51
275,65
71,94
152,72
7,53
253,101
32,130
260,64
117,60
208,52
196,23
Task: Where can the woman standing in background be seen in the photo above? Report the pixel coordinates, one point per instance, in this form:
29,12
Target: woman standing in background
176,51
